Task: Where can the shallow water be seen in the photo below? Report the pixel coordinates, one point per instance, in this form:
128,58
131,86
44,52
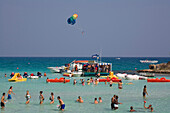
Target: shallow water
130,95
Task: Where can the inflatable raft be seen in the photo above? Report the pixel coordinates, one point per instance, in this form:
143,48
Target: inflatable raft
108,80
158,80
17,78
58,80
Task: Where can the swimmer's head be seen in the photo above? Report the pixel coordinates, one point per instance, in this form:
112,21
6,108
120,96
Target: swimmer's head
131,107
10,87
3,94
95,98
100,98
150,106
41,92
52,93
58,97
144,86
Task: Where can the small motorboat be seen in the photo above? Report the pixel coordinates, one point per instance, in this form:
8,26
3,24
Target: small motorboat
148,61
120,75
163,79
58,80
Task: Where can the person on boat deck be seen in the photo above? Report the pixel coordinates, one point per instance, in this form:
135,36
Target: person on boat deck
145,91
120,85
76,68
107,69
89,68
9,93
79,99
52,98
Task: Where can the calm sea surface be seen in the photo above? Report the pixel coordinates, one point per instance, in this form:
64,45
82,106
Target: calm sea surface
130,95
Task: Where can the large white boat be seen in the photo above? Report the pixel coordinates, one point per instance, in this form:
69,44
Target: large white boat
84,67
148,61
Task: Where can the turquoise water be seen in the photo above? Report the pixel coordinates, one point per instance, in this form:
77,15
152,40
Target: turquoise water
130,95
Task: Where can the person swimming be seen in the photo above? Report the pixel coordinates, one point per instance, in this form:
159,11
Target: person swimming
95,101
62,105
100,100
9,93
41,97
131,109
79,99
27,96
149,107
111,82
74,83
52,98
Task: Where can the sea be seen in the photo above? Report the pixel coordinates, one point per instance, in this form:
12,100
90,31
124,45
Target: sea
130,95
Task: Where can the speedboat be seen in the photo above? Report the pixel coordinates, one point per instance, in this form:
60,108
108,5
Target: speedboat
57,69
148,61
135,77
120,75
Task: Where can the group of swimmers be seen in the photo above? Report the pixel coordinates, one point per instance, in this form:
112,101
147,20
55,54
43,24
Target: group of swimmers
114,100
96,81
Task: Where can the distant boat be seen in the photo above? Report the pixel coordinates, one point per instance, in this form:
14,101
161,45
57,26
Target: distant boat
117,58
148,61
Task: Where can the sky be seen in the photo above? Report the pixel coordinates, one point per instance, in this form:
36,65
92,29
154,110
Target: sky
112,28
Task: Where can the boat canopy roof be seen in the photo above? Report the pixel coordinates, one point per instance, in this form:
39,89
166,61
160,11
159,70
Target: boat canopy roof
91,62
105,64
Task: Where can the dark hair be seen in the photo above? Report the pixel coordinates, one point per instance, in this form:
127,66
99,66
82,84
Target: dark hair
131,107
95,98
52,93
79,97
10,87
144,86
3,94
58,97
41,92
100,98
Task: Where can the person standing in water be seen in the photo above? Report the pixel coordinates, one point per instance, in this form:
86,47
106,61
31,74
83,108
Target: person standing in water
144,91
3,101
9,93
62,105
100,100
27,96
52,98
120,85
41,97
95,101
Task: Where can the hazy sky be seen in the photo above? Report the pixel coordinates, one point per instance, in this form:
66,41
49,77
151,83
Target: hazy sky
119,28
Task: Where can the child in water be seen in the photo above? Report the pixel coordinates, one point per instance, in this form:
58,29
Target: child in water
27,96
3,101
100,100
41,97
95,101
52,98
62,105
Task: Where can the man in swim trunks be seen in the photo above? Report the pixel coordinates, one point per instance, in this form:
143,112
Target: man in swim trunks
3,100
9,93
62,105
145,91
